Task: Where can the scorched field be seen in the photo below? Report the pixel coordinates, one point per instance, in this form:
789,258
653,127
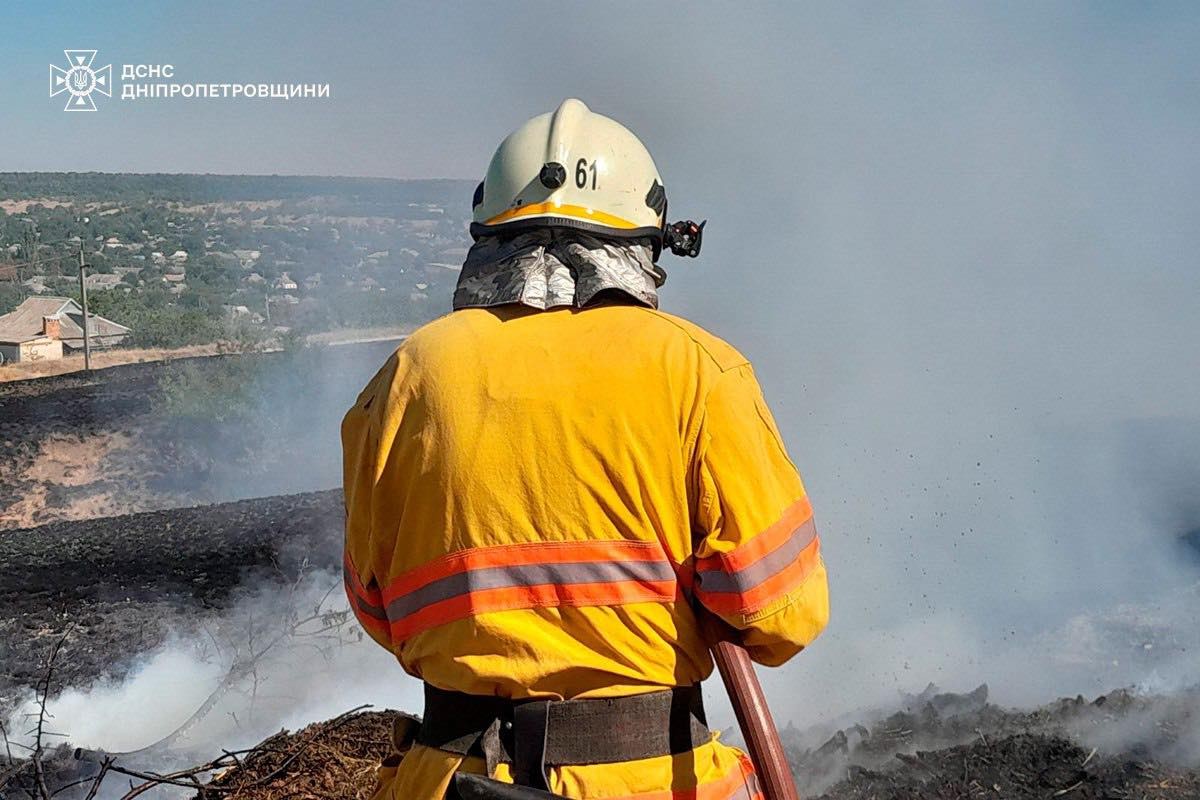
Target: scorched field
157,526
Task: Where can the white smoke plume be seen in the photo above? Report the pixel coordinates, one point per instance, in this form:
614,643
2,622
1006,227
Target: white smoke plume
259,665
958,241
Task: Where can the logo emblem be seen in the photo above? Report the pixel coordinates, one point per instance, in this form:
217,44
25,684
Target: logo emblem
79,80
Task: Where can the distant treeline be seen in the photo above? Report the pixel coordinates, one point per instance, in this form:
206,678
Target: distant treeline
130,187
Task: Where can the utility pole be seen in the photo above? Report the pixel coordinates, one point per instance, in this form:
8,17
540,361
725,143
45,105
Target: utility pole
30,239
87,338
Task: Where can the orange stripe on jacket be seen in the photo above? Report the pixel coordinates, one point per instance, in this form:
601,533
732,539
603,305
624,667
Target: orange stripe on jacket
529,575
371,623
520,554
539,596
764,568
372,595
774,587
762,543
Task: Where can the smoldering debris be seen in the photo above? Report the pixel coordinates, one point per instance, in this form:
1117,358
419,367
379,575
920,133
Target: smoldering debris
166,606
1018,767
963,744
937,745
171,611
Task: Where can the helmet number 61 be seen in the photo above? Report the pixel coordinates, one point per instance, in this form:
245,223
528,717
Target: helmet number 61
582,167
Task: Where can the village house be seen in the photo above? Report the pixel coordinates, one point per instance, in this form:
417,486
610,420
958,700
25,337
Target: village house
45,327
242,314
100,281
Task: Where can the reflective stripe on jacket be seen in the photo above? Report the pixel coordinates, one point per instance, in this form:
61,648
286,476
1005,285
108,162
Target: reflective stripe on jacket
548,504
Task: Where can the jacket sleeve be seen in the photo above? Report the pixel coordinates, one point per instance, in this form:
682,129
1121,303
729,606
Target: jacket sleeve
360,460
757,561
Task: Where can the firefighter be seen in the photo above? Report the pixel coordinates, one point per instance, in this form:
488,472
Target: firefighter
559,497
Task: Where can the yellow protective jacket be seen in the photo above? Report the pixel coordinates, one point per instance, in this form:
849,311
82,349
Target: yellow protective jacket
559,504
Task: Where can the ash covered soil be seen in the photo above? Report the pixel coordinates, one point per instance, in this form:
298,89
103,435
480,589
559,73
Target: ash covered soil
121,585
985,752
79,453
126,582
939,747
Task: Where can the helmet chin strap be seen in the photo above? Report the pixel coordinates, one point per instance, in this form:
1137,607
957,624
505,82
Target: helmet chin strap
659,274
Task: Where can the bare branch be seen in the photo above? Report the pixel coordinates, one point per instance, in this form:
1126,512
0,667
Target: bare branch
190,777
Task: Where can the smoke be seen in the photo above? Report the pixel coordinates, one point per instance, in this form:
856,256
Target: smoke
952,241
260,424
280,656
958,242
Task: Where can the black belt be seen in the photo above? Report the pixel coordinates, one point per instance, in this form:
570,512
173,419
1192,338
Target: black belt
535,734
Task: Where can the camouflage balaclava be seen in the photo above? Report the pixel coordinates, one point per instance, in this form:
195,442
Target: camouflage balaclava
550,267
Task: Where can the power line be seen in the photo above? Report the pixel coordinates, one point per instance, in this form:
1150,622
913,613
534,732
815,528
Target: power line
20,264
40,243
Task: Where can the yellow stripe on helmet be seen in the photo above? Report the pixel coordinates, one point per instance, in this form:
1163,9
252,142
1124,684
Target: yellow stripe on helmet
561,210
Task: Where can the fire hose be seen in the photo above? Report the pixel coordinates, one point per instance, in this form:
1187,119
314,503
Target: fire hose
756,722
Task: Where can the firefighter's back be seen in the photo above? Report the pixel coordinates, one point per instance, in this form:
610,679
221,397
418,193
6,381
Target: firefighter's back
552,491
541,494
536,466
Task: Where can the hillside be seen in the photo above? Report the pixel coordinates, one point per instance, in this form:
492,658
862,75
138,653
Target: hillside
193,259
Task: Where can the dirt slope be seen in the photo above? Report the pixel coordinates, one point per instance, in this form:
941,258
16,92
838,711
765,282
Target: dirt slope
139,437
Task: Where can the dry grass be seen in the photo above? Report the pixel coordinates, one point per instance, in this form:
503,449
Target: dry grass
22,206
111,358
101,359
337,761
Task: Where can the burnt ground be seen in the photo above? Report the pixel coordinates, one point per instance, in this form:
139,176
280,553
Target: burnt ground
123,584
943,745
985,752
166,440
1040,758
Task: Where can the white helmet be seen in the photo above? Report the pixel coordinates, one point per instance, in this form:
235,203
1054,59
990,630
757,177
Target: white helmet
575,169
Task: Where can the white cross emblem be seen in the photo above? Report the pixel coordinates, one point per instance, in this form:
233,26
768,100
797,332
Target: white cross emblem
80,80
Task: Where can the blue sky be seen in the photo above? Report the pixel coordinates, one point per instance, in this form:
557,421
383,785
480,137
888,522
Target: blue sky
958,240
425,89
